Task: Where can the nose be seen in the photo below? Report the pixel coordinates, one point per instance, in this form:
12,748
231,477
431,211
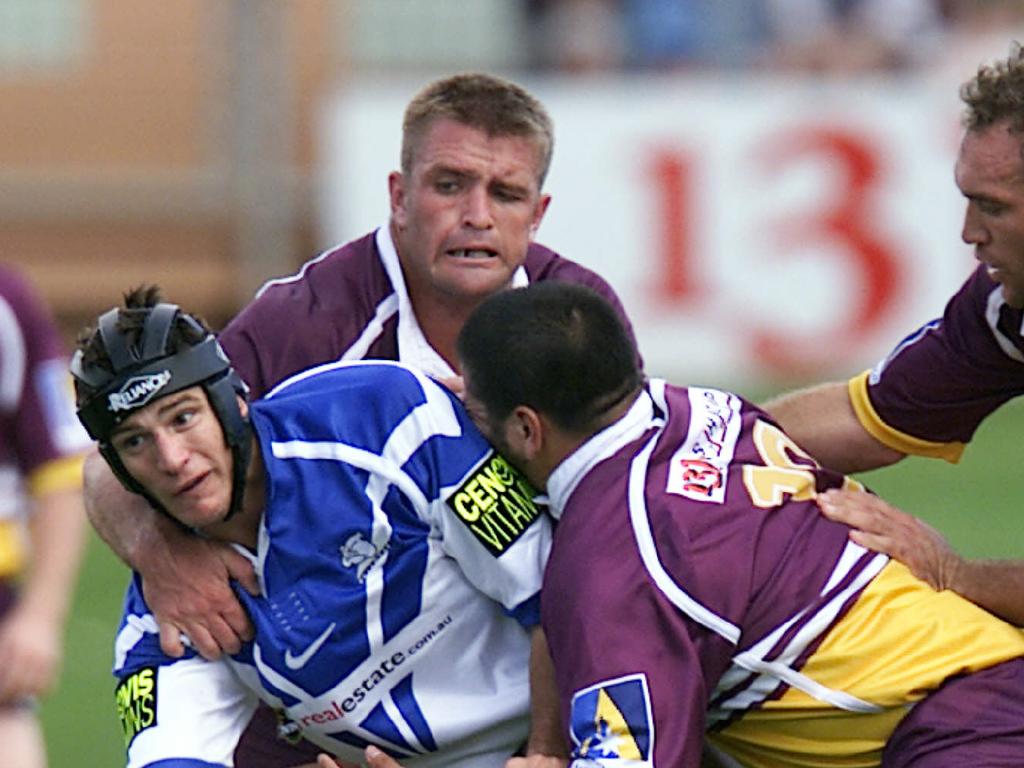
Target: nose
477,212
974,231
171,452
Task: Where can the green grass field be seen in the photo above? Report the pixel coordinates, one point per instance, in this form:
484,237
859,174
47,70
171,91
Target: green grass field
976,504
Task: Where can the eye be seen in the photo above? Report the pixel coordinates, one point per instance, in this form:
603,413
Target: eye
129,442
446,186
184,417
991,207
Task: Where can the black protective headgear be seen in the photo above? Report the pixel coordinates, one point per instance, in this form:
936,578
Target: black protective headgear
147,371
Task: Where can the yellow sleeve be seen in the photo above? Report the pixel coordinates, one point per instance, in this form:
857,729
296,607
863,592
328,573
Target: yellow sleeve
894,438
64,474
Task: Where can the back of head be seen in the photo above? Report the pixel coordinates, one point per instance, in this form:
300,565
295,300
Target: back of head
996,93
142,352
558,348
490,104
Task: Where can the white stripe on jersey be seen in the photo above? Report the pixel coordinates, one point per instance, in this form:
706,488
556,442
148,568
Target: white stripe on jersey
771,673
649,553
12,358
995,302
384,312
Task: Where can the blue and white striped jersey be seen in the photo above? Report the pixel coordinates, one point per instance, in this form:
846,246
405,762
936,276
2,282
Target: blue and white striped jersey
400,560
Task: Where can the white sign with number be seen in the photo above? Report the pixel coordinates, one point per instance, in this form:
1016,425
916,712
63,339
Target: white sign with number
755,229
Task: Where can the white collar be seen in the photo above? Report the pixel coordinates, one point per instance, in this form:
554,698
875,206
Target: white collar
413,348
575,466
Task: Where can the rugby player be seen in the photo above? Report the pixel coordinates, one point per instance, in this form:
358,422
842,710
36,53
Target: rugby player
692,584
399,557
928,396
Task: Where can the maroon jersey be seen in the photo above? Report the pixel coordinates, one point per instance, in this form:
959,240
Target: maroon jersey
41,441
693,585
928,396
350,303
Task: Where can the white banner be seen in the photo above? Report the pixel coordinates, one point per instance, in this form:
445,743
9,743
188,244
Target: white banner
756,229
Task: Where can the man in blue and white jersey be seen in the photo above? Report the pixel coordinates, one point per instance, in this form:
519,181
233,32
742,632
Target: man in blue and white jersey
399,557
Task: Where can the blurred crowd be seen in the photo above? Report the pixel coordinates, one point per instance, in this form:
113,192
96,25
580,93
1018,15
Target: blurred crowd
821,36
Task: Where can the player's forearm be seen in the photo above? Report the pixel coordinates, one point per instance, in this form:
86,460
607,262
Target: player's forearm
822,422
546,733
124,520
995,585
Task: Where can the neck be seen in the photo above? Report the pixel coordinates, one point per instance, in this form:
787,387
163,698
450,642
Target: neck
440,322
561,443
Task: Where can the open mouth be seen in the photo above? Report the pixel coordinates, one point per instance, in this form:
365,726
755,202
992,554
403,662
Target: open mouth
473,253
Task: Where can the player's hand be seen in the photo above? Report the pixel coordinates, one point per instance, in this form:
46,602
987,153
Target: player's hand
536,761
456,384
375,758
186,587
881,527
30,646
326,761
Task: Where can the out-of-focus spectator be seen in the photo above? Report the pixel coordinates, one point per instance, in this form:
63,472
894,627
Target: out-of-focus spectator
980,31
41,448
853,36
576,36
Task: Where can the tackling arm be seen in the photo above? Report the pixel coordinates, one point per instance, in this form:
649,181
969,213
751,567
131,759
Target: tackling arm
822,421
186,578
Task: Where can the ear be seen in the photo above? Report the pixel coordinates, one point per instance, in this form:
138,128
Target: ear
243,406
525,432
538,214
396,193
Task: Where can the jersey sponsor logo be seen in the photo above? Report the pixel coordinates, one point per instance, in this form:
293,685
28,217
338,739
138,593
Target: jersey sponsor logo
135,697
612,721
699,467
378,675
362,554
137,391
293,661
496,504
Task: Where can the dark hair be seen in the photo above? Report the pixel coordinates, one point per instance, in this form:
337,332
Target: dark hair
559,348
495,106
996,93
186,331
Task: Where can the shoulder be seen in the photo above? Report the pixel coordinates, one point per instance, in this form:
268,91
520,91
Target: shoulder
542,263
337,278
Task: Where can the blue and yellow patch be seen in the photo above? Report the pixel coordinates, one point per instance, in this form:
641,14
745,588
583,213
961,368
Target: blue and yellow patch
612,721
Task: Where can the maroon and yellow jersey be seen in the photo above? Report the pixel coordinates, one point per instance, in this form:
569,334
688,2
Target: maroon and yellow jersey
41,441
694,586
928,396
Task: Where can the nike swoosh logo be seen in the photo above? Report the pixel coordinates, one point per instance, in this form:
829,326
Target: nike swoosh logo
298,662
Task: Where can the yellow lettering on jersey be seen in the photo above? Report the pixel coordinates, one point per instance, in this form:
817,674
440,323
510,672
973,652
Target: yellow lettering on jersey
496,504
781,474
135,698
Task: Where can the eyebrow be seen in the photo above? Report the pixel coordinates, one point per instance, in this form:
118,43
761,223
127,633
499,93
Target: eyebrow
167,403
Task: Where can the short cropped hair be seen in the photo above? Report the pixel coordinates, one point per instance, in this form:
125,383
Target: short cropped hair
996,93
559,348
490,104
131,319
